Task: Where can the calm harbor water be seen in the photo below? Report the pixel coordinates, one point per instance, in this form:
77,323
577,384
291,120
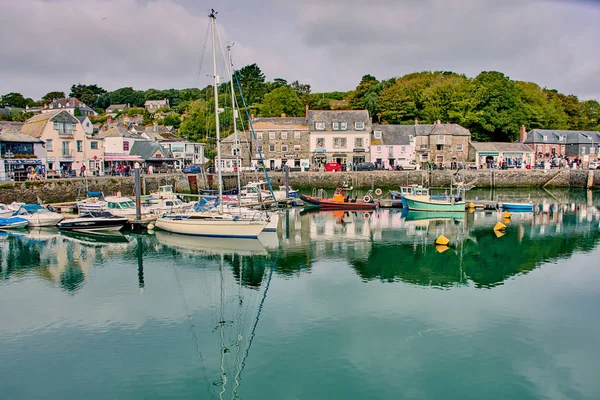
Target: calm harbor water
335,305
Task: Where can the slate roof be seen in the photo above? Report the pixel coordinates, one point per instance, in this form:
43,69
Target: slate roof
163,134
330,116
146,149
35,125
116,107
162,102
118,131
263,123
501,147
14,134
73,102
243,137
393,135
441,129
553,136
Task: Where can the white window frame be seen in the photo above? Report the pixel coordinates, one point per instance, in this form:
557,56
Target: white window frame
271,148
335,126
297,147
359,143
319,126
94,142
545,138
561,138
582,150
359,126
403,149
49,145
441,139
343,126
272,135
379,149
284,148
259,135
459,147
320,139
377,134
342,142
297,135
284,135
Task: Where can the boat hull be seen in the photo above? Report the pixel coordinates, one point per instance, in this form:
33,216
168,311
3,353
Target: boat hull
37,220
233,228
15,225
517,207
92,225
334,205
418,204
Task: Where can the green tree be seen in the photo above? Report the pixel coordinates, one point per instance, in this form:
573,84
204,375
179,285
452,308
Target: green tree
591,114
48,97
540,110
283,100
88,94
172,119
252,82
448,97
195,125
14,99
302,90
356,99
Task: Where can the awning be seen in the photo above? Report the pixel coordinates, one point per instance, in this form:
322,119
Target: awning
118,157
23,161
339,155
162,159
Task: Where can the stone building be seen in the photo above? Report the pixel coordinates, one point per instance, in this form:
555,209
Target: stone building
283,141
342,136
492,154
551,144
154,105
441,144
244,147
392,145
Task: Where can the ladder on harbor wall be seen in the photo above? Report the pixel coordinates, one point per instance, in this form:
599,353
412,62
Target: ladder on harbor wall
590,179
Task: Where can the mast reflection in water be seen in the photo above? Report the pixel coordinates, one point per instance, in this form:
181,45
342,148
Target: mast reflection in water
336,305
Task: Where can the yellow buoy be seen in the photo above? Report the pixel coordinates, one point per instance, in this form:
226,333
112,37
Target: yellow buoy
506,215
499,227
441,248
442,240
499,233
471,205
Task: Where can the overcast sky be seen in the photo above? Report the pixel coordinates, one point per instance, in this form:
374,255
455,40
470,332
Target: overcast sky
51,44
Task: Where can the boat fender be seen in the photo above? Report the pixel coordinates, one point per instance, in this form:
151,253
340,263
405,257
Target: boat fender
50,208
442,240
150,226
378,192
367,215
367,199
506,215
499,227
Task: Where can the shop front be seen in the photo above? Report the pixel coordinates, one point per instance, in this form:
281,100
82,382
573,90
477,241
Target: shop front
319,158
18,169
359,156
113,163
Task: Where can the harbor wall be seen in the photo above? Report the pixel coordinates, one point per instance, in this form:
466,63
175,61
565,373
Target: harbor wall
65,190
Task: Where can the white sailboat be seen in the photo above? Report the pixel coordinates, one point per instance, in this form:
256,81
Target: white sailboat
213,224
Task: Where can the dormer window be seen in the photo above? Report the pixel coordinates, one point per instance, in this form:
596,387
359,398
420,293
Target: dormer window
335,126
359,125
545,138
377,134
284,135
343,126
561,138
272,135
410,138
320,126
259,135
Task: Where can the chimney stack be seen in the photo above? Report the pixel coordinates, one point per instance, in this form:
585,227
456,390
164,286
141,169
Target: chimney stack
306,112
523,134
282,115
109,120
416,121
439,122
155,126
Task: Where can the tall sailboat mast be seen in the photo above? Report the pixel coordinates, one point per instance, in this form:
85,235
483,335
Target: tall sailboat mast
235,132
213,17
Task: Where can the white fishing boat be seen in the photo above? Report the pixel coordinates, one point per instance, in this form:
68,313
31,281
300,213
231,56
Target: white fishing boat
92,203
170,206
249,213
210,223
38,215
124,207
5,212
164,192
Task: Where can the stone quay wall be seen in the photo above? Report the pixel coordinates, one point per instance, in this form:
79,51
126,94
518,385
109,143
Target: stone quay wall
66,190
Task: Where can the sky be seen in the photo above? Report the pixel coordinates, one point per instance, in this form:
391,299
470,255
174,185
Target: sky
330,44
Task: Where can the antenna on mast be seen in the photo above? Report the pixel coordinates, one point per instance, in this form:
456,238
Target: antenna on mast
213,13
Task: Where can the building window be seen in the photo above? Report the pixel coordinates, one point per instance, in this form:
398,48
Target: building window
359,125
403,149
259,148
358,143
79,146
320,126
49,145
235,151
441,138
459,147
64,128
377,134
439,147
582,150
410,138
335,126
545,138
561,138
320,143
259,135
94,145
297,147
283,135
378,148
297,135
284,147
343,126
425,157
272,135
125,146
339,143
271,148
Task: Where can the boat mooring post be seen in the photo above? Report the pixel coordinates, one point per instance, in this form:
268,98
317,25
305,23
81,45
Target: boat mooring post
287,181
138,194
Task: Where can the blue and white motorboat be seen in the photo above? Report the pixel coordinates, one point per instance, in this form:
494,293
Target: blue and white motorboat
38,215
518,207
13,223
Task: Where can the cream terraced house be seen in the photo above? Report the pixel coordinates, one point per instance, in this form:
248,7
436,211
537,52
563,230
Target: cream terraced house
67,145
342,136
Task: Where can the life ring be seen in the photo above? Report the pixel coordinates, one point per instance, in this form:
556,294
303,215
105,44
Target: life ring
378,192
367,198
367,215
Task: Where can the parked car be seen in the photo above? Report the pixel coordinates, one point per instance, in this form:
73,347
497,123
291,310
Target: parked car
192,169
333,166
410,165
365,166
594,165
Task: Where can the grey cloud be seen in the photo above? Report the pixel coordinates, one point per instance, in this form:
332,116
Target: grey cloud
328,44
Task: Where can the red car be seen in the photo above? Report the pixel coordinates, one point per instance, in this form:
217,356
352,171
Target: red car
333,166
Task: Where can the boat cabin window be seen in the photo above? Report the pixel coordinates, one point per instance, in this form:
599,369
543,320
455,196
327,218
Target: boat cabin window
422,192
170,204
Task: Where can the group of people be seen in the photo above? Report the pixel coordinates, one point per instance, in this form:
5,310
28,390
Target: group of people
36,173
126,169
